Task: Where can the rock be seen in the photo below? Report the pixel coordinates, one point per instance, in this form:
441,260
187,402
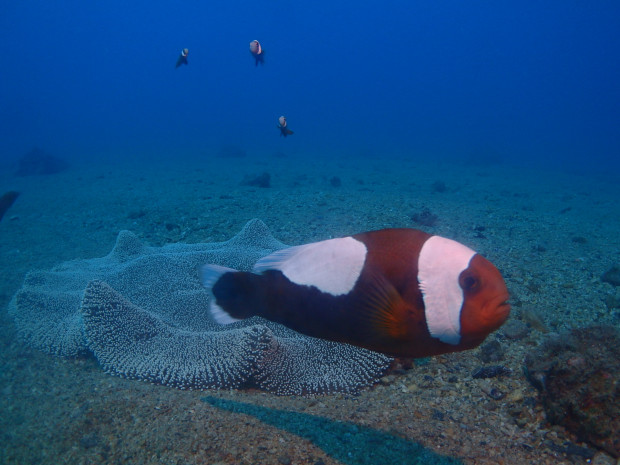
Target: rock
612,301
532,317
263,180
39,162
612,276
491,371
438,186
284,460
515,396
601,458
335,182
491,391
521,422
89,440
578,376
491,352
425,218
515,329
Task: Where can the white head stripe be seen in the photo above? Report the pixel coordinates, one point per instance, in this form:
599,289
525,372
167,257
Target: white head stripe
440,263
332,266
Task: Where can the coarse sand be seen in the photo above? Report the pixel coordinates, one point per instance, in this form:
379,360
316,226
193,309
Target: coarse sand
552,234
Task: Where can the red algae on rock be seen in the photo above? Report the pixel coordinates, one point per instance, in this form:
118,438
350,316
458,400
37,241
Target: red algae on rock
578,375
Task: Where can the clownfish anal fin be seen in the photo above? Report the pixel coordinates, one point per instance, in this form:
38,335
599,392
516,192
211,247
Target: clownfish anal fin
382,310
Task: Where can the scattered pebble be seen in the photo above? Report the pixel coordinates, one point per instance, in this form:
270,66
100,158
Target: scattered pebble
601,458
491,352
491,371
263,180
515,330
284,460
89,440
515,396
491,391
532,317
335,182
438,186
425,218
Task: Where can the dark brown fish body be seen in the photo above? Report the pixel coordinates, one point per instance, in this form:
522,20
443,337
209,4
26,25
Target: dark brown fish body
401,292
182,60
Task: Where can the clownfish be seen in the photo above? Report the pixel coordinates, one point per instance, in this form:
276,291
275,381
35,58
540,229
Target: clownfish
401,292
257,52
182,60
284,131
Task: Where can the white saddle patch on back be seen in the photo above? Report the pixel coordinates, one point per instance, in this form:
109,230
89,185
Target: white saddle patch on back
332,266
440,263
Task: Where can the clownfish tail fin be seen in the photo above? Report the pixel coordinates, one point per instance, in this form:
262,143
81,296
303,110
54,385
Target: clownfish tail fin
230,292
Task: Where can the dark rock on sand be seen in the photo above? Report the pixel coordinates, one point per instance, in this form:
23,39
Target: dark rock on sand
38,161
6,201
135,214
491,352
491,391
612,276
578,376
335,182
438,186
425,218
491,371
571,449
90,440
515,329
263,180
612,301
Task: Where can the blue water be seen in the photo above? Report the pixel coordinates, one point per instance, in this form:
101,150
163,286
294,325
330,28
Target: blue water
523,82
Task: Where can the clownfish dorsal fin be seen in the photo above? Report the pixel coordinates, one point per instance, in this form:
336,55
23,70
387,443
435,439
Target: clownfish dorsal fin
383,309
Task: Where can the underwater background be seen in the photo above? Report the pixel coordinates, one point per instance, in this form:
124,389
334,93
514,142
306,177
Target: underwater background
495,124
522,82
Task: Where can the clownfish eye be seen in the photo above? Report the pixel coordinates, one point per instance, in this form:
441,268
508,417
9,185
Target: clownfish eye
469,282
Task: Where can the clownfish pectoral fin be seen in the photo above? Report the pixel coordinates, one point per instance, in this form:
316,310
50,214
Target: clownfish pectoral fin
289,132
209,275
383,310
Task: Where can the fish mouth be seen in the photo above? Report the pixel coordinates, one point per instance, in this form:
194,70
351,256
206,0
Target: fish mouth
499,309
502,307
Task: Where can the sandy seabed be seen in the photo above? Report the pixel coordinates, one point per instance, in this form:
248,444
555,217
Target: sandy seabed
551,234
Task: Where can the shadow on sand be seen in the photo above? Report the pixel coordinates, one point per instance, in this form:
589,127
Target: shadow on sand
348,443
